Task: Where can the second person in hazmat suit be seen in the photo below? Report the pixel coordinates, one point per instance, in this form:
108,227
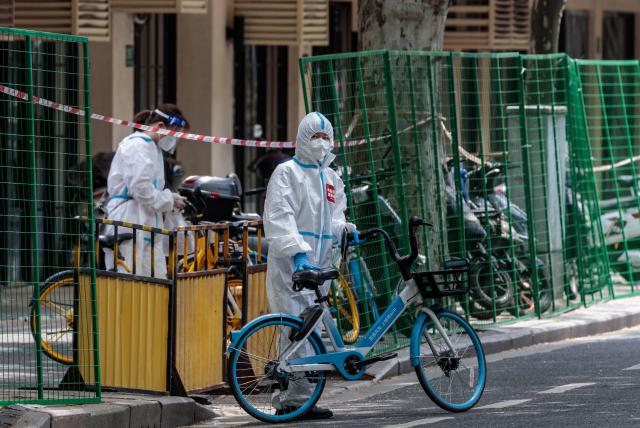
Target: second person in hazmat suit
303,218
137,192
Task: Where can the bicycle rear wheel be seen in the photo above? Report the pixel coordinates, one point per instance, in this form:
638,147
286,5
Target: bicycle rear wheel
343,299
57,317
453,382
262,390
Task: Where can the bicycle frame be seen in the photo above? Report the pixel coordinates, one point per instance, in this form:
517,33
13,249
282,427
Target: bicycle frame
362,281
336,360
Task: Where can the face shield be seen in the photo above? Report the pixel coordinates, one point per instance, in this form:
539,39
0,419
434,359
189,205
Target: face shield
168,143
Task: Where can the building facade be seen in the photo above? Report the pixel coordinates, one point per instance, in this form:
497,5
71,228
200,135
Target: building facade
232,65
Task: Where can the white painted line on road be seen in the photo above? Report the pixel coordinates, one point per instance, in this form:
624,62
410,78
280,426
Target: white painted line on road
503,404
565,388
419,422
636,367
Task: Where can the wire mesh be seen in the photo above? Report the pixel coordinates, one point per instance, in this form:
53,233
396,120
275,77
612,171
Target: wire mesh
45,188
497,150
608,93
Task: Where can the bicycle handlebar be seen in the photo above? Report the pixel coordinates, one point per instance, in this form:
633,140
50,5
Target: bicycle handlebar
404,262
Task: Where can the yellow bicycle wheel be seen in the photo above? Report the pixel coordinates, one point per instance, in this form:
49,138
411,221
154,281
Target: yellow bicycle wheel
57,317
234,319
342,298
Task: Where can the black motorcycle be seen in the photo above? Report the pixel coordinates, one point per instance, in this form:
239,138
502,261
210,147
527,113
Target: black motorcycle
490,283
511,230
218,199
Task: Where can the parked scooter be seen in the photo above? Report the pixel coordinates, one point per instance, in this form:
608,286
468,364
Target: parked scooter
217,199
490,283
620,219
512,230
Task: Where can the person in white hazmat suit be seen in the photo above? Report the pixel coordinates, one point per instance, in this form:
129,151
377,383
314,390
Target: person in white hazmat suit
303,218
137,194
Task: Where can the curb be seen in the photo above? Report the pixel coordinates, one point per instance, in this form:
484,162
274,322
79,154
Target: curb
116,410
597,319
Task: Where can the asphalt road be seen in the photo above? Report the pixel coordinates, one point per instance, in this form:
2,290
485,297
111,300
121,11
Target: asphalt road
592,381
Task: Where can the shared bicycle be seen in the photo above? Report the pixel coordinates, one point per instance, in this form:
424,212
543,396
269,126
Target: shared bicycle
281,352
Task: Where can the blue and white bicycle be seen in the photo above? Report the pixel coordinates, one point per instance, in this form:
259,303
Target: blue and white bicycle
278,363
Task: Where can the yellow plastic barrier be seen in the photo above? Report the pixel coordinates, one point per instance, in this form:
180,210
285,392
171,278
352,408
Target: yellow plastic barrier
200,330
254,285
255,296
133,320
258,305
257,291
161,335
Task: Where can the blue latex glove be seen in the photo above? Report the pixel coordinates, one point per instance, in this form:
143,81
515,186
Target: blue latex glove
301,262
354,238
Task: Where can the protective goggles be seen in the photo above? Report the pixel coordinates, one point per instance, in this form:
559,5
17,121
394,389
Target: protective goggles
171,120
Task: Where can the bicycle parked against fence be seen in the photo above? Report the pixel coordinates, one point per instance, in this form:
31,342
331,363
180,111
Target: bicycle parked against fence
445,350
352,293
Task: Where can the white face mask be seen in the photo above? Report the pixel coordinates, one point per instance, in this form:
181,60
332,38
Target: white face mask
313,150
327,146
321,148
168,143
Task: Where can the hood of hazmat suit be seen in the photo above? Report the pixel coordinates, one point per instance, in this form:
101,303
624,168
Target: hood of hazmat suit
137,195
304,213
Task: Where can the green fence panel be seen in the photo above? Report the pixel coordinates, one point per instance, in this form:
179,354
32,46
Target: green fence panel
45,185
525,163
595,284
424,110
610,91
483,85
546,109
355,94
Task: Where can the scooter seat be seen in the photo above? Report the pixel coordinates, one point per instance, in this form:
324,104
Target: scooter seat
312,279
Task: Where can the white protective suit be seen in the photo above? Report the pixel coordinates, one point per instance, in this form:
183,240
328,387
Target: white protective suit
137,195
304,213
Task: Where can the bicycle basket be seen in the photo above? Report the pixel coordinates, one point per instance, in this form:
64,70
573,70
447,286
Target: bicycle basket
452,280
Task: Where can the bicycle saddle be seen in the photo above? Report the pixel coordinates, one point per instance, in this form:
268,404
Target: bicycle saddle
108,241
312,279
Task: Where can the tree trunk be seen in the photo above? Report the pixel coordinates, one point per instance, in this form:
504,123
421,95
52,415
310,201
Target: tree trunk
546,16
402,24
416,25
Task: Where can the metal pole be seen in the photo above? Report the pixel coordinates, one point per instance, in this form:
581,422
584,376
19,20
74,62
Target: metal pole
34,216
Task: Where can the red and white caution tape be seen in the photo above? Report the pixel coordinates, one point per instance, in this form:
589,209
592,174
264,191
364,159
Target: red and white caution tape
183,135
163,131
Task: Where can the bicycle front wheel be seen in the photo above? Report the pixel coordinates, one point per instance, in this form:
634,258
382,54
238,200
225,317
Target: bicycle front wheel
262,390
57,317
454,381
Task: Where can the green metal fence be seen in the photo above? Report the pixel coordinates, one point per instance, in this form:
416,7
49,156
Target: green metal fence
45,186
525,164
609,92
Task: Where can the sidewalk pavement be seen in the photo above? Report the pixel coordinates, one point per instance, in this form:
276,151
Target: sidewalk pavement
137,410
117,410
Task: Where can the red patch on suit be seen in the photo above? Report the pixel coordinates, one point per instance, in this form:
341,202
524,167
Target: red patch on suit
331,193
